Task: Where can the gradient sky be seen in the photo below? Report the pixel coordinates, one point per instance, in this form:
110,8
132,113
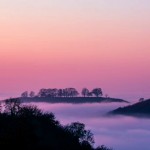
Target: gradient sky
79,43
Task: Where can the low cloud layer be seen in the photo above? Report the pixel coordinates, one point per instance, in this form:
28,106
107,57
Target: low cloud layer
119,132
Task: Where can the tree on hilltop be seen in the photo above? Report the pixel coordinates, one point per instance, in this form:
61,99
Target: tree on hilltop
24,94
85,92
32,94
97,92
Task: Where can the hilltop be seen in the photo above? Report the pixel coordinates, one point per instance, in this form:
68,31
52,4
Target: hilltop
140,109
72,99
68,95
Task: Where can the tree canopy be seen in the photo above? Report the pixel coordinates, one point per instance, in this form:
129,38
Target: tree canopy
28,128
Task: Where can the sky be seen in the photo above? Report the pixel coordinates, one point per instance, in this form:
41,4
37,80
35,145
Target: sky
75,43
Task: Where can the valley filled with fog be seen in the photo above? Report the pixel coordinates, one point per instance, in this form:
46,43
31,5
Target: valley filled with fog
117,132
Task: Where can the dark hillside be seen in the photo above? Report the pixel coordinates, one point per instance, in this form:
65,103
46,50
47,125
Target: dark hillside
28,128
72,99
138,109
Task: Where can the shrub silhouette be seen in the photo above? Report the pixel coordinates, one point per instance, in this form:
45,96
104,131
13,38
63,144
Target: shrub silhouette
77,129
28,128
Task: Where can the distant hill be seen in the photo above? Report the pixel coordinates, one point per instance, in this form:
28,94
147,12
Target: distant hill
72,99
139,109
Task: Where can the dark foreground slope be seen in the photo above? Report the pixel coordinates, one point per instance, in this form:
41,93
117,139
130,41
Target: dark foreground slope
28,128
72,99
141,109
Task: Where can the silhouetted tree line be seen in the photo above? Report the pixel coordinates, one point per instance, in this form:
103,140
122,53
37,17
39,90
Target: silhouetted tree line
67,92
28,128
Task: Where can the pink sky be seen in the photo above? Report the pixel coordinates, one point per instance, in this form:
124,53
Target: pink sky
75,43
